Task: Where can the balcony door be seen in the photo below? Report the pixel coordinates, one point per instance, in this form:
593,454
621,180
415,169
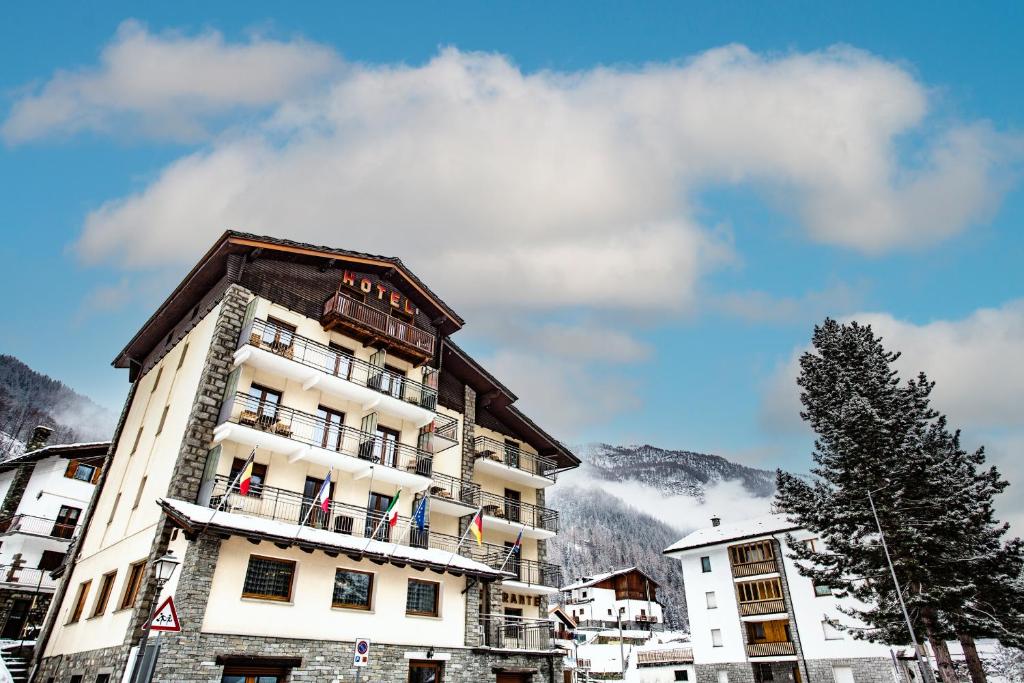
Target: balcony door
263,404
514,563
513,505
385,446
67,520
340,363
392,381
329,429
278,335
375,509
310,513
512,453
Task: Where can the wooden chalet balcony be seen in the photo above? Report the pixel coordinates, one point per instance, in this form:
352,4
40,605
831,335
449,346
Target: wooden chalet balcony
248,420
760,607
502,511
372,325
513,463
517,633
751,559
679,655
770,649
37,526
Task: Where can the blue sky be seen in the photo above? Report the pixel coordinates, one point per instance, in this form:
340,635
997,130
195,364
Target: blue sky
740,241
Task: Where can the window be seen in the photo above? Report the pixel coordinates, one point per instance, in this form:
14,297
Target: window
681,675
810,543
103,597
138,437
352,589
263,403
76,679
712,599
757,631
341,363
842,674
512,453
259,475
277,334
329,430
138,494
103,678
831,632
716,637
421,598
609,612
723,676
385,446
763,672
181,358
584,594
50,560
83,593
268,578
163,420
821,590
67,520
705,564
113,508
82,471
156,382
392,381
132,583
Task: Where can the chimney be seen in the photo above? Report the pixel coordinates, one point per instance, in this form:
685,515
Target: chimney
40,435
716,521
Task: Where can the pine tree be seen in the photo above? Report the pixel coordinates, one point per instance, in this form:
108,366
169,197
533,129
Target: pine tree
878,434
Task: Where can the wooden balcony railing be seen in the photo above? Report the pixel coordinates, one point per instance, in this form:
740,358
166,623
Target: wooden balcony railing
355,314
511,456
312,430
678,655
776,649
754,568
758,607
519,512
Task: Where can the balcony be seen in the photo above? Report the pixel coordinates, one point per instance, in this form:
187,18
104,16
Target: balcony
752,559
781,648
513,464
371,325
513,516
452,496
265,346
27,579
303,436
517,633
677,655
531,577
762,607
37,526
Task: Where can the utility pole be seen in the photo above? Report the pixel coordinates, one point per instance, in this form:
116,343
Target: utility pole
926,670
622,647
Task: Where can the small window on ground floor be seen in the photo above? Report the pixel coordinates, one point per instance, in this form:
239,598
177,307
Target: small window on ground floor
80,597
422,598
268,578
681,675
352,589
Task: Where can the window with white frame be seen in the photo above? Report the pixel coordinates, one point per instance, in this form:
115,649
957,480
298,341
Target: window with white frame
716,637
712,599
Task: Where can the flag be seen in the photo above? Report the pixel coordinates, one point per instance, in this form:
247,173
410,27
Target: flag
391,514
420,516
518,545
323,497
245,476
477,527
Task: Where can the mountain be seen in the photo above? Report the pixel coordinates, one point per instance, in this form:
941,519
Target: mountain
628,503
29,398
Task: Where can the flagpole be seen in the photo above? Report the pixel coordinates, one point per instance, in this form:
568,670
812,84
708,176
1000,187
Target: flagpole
511,550
313,504
463,537
231,485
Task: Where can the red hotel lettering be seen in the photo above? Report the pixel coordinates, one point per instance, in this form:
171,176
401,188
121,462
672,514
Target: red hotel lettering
409,308
380,291
365,285
348,278
395,299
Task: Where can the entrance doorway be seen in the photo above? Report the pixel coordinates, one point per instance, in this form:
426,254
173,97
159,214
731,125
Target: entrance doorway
505,677
425,672
16,618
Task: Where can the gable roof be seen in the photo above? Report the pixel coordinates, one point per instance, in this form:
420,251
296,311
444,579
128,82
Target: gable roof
588,581
734,531
213,266
87,449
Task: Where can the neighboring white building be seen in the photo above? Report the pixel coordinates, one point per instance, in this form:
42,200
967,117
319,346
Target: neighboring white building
599,601
754,617
45,492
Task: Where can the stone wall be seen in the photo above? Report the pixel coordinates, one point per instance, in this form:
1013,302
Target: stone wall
88,664
865,669
739,672
17,489
36,614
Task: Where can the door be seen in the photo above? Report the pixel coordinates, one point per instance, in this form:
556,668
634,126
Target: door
514,678
328,431
513,506
67,520
375,509
425,672
512,453
311,514
385,447
261,406
341,363
392,381
842,674
16,618
252,678
514,565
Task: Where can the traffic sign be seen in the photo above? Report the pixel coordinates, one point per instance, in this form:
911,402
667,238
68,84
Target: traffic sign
362,655
165,618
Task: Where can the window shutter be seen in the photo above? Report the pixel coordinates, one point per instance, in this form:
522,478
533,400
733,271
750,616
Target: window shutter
209,476
250,315
70,471
229,394
376,372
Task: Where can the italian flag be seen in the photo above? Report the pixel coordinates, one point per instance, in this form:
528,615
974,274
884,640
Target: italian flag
477,527
391,514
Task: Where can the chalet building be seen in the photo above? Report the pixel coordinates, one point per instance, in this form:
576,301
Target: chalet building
45,492
602,601
754,618
328,364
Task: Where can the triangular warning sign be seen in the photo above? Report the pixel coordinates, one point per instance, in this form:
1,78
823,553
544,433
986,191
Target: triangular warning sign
165,618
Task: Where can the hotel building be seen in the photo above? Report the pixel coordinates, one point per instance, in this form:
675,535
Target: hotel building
329,363
755,618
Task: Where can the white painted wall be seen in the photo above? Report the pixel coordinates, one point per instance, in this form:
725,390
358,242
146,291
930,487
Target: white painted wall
724,617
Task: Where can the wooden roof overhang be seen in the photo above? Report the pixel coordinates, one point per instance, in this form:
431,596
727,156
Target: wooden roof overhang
83,451
193,529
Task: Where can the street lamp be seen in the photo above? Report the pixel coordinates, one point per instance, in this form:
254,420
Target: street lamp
163,570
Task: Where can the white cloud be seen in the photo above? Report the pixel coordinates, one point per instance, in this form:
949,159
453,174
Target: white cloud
761,307
166,85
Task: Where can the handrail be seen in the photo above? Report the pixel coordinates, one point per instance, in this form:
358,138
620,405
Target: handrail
759,607
530,572
519,512
29,577
446,487
347,307
771,648
517,633
313,430
270,337
681,655
486,447
37,526
755,568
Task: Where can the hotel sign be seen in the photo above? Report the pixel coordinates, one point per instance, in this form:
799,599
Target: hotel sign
516,599
364,284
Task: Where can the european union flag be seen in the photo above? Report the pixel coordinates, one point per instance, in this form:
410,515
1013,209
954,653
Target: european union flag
420,516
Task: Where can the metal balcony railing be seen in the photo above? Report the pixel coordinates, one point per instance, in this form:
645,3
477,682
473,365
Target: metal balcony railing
526,571
512,456
270,337
771,649
313,430
457,490
759,607
519,512
37,526
27,578
362,315
517,633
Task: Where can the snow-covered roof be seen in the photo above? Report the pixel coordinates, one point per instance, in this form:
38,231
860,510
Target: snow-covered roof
197,516
598,578
59,449
734,531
